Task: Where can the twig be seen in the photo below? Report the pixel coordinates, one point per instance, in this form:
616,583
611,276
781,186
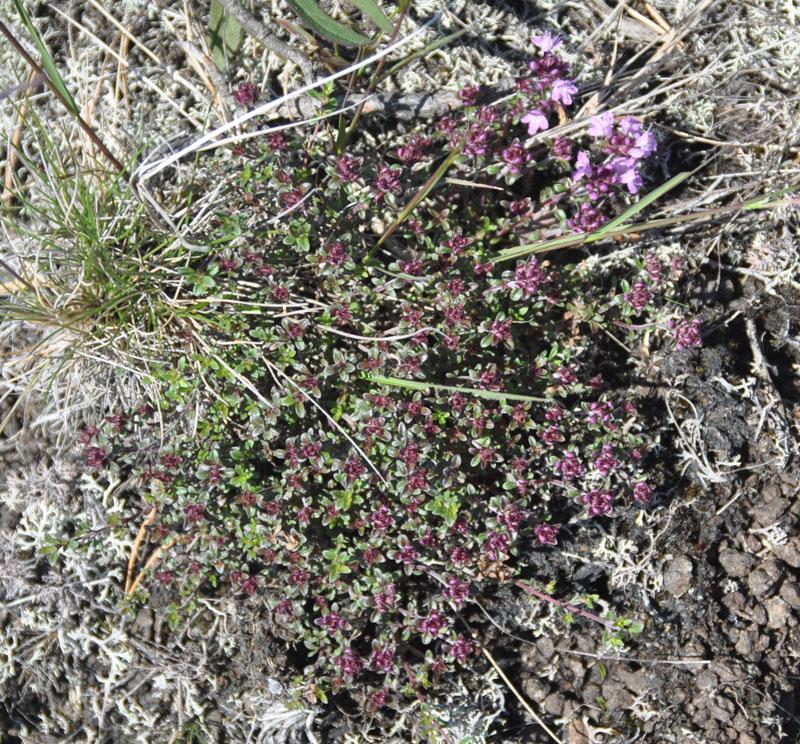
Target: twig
374,80
519,697
152,169
258,31
135,549
150,561
570,608
16,137
327,415
634,659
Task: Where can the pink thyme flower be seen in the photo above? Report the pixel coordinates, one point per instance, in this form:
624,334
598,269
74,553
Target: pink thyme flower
628,174
598,502
687,333
639,297
642,491
536,121
246,94
382,659
432,625
562,91
546,534
461,649
546,42
583,168
456,590
601,126
349,662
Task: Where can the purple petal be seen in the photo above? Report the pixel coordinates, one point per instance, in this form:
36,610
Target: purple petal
562,92
601,126
536,121
546,42
630,125
582,167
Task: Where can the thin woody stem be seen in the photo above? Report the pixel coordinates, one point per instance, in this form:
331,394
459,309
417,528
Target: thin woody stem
83,125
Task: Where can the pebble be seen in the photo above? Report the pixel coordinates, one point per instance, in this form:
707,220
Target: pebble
791,594
678,576
735,562
768,512
554,704
778,611
762,581
789,552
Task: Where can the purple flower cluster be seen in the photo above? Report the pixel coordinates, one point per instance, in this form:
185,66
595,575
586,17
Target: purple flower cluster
332,623
246,94
687,333
456,590
549,70
349,663
461,648
598,502
642,491
433,624
625,144
382,659
529,278
414,150
546,534
639,297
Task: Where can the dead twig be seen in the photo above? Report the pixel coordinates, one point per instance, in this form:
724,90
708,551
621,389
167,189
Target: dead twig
523,702
16,138
135,549
568,607
150,561
83,125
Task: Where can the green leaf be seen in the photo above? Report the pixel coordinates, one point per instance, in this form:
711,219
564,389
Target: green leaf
446,505
47,61
375,14
323,25
344,500
224,34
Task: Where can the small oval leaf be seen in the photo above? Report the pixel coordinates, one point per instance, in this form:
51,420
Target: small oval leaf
321,23
375,14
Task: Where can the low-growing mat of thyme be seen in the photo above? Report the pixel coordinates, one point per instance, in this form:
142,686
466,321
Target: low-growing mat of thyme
333,458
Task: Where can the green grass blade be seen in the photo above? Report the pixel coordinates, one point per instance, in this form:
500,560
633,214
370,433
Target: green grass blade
615,227
421,194
47,61
643,202
620,226
761,202
375,14
325,26
427,386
